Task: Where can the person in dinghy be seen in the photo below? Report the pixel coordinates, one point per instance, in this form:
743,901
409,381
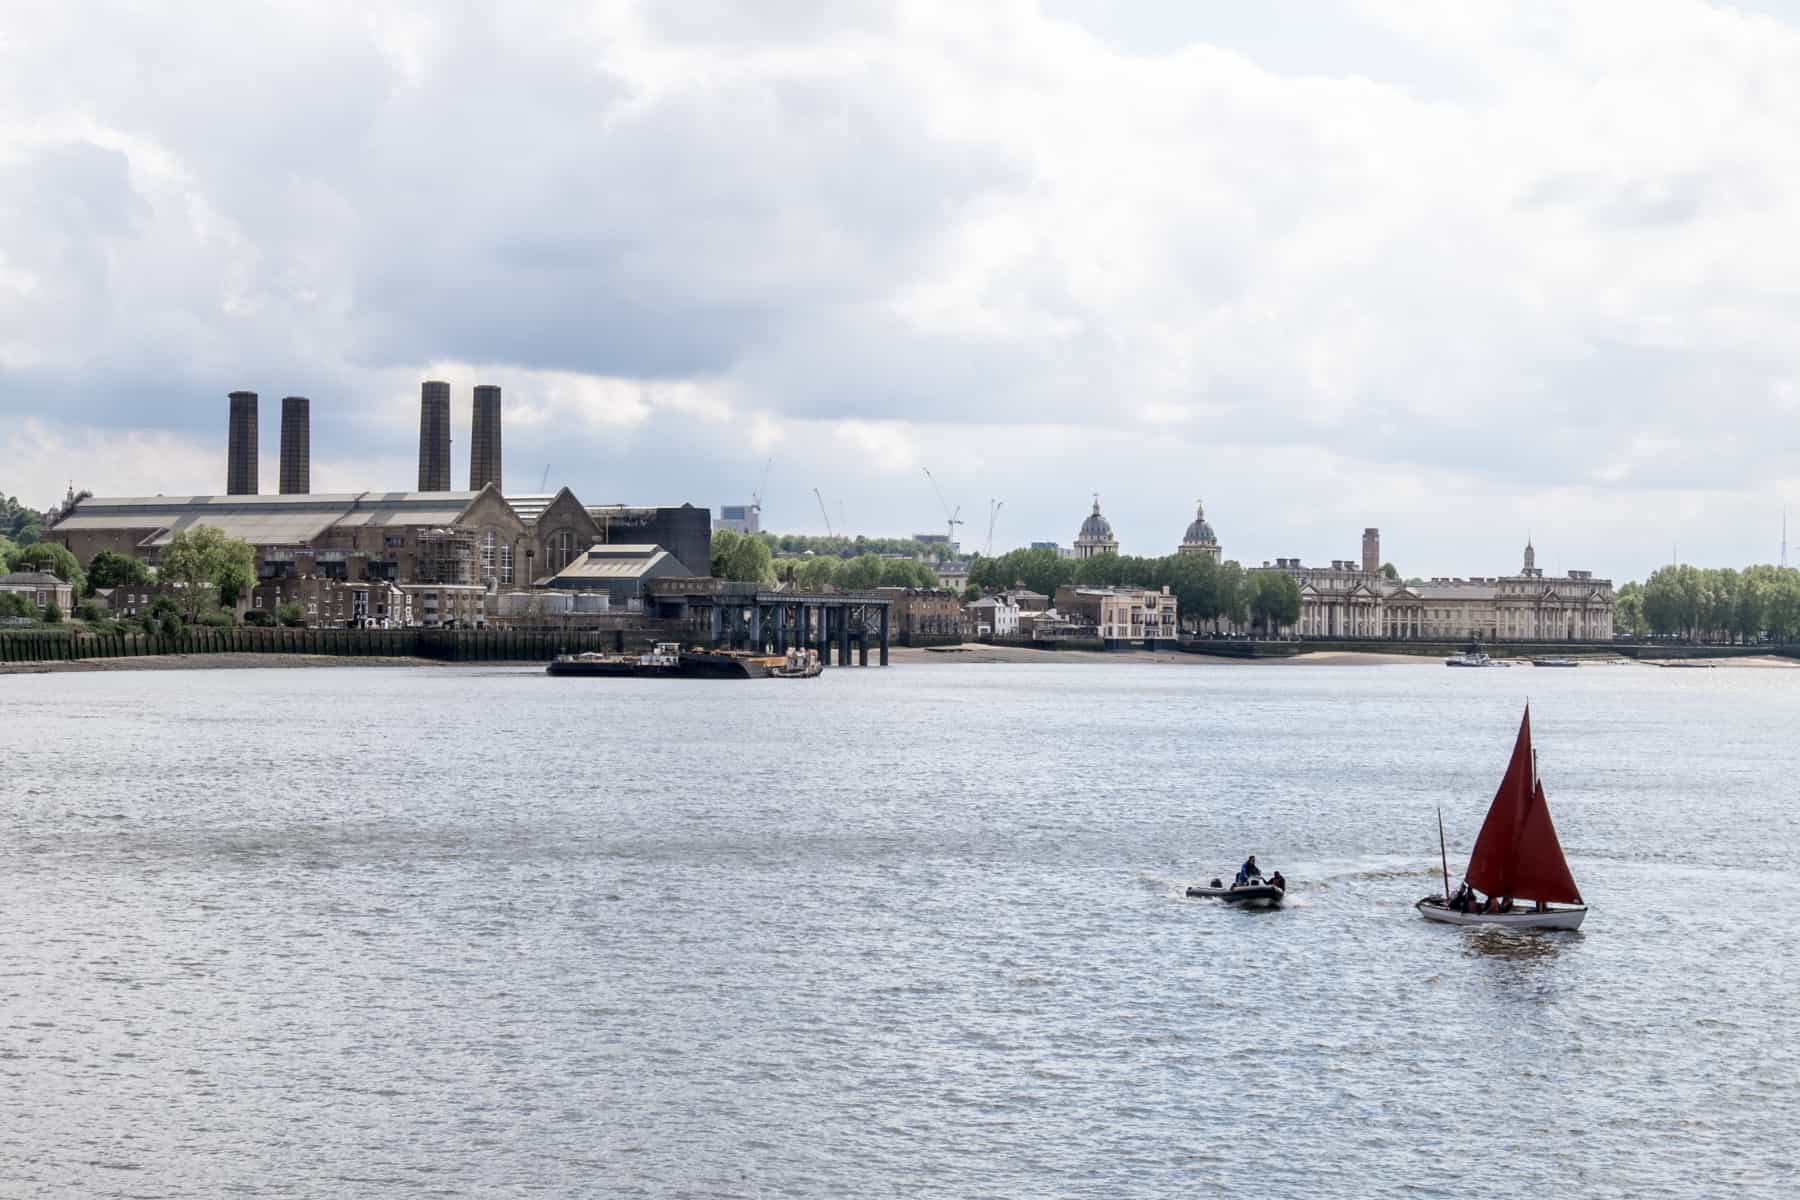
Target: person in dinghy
1517,857
1249,889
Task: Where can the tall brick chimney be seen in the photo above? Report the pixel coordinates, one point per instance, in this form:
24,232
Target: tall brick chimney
1371,551
484,439
434,436
296,445
240,446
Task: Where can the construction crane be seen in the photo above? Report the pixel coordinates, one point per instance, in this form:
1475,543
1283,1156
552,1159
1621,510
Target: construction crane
994,507
951,516
823,513
757,495
545,481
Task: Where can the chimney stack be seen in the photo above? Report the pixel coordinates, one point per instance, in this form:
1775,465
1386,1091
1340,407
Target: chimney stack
296,446
484,439
1371,550
434,436
240,446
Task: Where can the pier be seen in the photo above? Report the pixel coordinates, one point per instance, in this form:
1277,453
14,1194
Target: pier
841,626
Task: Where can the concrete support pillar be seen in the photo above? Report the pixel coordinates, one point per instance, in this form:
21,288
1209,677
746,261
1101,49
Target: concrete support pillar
756,627
824,636
884,635
718,623
843,637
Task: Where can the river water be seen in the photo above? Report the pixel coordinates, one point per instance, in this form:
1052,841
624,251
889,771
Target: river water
922,931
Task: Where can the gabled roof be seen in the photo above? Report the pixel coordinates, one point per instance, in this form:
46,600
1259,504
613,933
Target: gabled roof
33,579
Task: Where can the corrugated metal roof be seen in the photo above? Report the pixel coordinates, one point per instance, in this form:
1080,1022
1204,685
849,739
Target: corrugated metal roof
264,520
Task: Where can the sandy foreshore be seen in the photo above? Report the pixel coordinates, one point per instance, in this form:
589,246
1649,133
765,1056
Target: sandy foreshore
976,652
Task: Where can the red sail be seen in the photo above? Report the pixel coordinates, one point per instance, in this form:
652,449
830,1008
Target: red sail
1517,853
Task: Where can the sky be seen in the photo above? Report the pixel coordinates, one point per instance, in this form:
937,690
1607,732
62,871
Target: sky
1466,273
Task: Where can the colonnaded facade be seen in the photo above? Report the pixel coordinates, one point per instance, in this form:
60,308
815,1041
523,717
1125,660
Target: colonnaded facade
1352,598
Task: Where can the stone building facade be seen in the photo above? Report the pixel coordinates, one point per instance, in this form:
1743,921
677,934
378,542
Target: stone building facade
1200,538
1121,616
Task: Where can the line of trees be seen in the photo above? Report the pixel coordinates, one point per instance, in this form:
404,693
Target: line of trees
19,525
1712,605
1206,591
797,545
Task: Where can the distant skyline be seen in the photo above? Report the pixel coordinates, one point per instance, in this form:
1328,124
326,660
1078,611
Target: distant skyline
1455,271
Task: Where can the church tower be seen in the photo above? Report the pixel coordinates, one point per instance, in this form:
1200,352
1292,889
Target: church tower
1200,538
1096,536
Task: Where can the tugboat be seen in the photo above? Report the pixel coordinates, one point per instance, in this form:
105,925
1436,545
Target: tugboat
1517,859
799,664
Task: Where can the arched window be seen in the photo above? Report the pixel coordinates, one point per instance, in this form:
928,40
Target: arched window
560,551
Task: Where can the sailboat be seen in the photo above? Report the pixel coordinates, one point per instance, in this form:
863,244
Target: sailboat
1517,858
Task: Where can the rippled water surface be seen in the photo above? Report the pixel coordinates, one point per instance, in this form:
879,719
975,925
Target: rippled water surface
889,933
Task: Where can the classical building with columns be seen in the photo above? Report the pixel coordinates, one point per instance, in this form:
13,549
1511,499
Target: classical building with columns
1351,599
1096,536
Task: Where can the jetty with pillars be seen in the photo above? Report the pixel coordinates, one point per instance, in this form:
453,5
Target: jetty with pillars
842,626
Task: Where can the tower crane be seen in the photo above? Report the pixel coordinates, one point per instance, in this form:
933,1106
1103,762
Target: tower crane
823,513
994,507
952,517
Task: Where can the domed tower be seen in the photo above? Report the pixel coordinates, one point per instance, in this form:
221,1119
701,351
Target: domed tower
1096,536
1199,538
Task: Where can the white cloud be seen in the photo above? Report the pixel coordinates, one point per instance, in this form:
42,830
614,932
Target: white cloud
1533,261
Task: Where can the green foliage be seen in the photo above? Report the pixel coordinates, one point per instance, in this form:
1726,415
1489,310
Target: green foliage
218,620
798,545
812,574
742,558
53,613
905,572
109,569
259,617
860,574
291,614
1713,605
971,593
48,556
206,563
20,525
1274,599
170,625
163,607
88,611
14,604
1390,571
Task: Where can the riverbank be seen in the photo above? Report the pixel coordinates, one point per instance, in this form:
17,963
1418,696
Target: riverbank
979,652
209,662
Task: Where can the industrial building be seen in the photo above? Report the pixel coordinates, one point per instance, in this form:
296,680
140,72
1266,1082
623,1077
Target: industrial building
450,553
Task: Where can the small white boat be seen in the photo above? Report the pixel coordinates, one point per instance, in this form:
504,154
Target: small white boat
1517,859
1255,892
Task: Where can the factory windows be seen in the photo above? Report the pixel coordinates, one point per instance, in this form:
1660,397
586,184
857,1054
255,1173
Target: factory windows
506,572
487,556
561,550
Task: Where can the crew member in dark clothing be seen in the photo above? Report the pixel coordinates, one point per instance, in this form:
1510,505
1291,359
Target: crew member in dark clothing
1249,870
1278,881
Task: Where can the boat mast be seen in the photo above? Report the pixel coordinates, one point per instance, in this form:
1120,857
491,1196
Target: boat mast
1443,855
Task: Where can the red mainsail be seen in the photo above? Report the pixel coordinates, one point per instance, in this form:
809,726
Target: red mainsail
1517,854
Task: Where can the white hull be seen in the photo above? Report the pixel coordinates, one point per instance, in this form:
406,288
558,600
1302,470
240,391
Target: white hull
1432,909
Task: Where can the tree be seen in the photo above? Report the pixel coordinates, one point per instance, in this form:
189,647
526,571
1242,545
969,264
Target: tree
20,525
1234,598
860,574
1628,610
816,573
1274,599
291,614
741,558
14,604
52,613
48,556
205,562
108,569
1390,571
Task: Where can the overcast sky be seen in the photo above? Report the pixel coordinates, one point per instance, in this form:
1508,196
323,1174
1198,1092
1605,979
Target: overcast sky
1457,271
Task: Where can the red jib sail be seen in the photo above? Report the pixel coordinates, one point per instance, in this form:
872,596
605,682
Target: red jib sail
1517,854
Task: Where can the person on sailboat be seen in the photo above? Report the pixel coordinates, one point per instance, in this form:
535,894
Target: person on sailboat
1249,870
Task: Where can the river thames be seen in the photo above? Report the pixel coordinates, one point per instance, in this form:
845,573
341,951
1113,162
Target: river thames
914,932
